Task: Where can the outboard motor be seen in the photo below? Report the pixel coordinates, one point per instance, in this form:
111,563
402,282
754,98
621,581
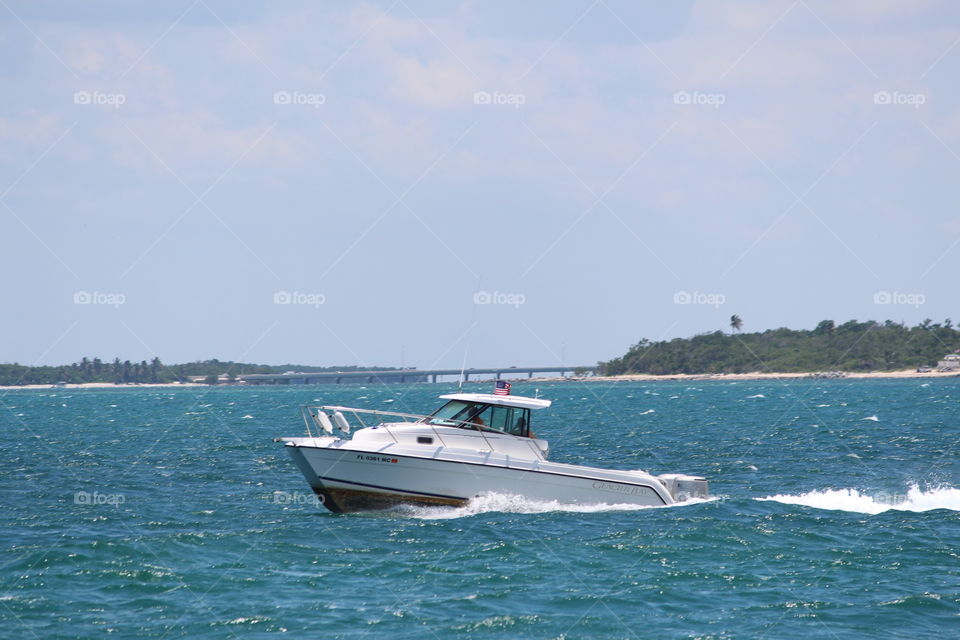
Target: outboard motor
683,487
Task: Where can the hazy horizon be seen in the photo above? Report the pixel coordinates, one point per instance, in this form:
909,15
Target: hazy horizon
430,184
566,363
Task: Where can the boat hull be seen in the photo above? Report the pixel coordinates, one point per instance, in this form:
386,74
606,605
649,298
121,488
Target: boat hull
348,480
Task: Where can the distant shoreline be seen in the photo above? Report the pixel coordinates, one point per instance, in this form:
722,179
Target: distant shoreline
639,377
759,375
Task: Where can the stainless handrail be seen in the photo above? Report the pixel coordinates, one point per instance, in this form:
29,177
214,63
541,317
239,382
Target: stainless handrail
333,407
303,414
422,419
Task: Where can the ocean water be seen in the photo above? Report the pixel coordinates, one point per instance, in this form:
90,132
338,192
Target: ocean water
171,513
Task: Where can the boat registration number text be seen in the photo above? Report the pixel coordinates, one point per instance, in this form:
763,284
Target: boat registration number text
369,458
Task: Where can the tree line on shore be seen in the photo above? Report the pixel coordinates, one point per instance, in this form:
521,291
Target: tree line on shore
851,346
154,371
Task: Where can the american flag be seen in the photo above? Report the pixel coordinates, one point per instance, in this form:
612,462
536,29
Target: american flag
502,388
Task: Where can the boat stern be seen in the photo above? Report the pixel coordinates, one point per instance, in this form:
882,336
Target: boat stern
683,487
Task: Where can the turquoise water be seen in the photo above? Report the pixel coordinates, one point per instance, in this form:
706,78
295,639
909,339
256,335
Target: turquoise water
164,513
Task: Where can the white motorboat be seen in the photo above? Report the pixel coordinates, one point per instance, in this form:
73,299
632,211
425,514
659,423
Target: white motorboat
474,444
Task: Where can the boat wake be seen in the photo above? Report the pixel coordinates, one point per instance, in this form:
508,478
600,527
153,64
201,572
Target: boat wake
507,503
915,499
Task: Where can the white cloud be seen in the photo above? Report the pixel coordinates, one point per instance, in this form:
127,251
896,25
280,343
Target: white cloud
435,84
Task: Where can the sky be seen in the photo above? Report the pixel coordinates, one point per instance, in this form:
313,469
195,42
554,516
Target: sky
439,184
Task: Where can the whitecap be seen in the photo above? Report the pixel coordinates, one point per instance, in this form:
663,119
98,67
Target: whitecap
874,418
247,417
648,411
759,395
915,499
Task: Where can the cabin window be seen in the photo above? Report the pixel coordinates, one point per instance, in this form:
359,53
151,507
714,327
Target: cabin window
424,440
452,413
508,419
458,413
520,423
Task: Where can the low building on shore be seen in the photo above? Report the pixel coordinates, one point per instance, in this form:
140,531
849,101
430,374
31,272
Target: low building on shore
950,362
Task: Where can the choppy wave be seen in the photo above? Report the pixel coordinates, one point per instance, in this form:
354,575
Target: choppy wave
915,499
507,503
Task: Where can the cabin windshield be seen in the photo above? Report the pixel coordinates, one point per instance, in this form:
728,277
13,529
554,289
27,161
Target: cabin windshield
472,415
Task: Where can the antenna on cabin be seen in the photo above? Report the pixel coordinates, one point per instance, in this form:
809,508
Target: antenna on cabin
478,298
463,367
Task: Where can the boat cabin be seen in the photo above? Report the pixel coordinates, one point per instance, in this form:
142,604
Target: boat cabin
488,412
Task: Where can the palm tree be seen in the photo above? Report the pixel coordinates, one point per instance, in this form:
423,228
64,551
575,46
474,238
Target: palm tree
735,322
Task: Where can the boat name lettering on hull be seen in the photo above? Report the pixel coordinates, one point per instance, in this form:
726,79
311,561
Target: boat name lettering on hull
368,458
621,488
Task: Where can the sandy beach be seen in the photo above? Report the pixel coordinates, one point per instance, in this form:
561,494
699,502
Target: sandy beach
103,385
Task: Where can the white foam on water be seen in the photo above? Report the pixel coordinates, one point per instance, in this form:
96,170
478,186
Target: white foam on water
759,395
508,503
874,418
915,499
648,411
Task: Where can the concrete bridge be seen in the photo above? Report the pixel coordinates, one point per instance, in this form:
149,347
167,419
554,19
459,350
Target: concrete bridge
403,375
